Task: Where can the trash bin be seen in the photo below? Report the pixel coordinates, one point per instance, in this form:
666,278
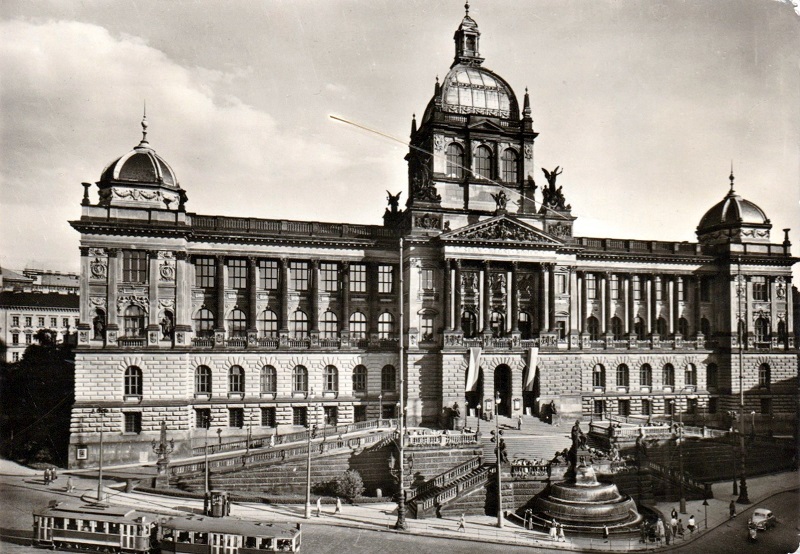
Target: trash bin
219,503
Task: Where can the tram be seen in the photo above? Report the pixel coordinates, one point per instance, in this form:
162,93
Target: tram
99,528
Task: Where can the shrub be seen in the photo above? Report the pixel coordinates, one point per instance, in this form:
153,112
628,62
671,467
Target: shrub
349,485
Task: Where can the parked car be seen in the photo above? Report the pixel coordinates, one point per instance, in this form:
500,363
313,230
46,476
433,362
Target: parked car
762,519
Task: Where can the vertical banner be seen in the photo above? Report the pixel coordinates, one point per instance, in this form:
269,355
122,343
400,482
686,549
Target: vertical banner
533,355
473,369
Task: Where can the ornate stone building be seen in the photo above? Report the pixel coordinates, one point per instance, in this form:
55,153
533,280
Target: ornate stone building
263,324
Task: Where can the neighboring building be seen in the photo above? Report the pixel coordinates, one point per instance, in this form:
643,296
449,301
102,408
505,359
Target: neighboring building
273,323
33,300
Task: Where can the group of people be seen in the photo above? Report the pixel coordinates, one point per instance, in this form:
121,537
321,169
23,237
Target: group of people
50,475
556,531
338,506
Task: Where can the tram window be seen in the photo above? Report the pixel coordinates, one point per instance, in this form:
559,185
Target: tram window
249,542
72,524
265,544
168,533
58,523
100,527
113,528
183,536
85,526
201,538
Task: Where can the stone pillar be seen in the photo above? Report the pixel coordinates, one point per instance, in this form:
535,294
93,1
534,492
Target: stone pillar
627,302
748,312
183,301
545,292
605,302
219,327
574,302
647,293
86,316
313,323
790,338
153,329
551,280
457,300
448,301
372,300
583,314
112,328
655,284
513,291
698,313
486,293
670,302
252,297
283,315
345,292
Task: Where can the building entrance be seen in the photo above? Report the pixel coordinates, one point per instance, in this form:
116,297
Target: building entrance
473,398
502,386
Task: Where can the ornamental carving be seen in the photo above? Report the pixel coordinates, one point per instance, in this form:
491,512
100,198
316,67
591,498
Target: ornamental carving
469,282
95,252
475,110
99,268
526,284
560,230
137,194
423,189
528,150
438,143
133,300
427,221
98,301
166,254
503,230
167,270
780,288
166,303
498,284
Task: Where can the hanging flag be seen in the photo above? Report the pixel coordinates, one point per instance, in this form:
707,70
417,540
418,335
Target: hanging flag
473,369
533,355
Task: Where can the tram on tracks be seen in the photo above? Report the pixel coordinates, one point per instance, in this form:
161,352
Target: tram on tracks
103,528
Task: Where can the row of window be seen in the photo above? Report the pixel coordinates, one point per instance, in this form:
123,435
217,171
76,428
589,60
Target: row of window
268,380
299,275
668,376
29,338
40,320
482,163
624,407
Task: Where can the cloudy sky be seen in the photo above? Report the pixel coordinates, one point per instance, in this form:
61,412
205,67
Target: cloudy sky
644,103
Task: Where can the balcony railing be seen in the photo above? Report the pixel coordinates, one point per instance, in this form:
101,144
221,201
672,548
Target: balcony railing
128,342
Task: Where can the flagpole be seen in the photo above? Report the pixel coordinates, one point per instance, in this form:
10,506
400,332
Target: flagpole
401,501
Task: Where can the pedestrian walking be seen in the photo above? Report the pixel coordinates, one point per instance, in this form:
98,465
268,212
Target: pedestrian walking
680,527
70,485
553,531
53,474
519,422
462,524
691,524
732,509
673,524
673,514
561,537
668,534
319,506
605,533
659,531
47,476
338,506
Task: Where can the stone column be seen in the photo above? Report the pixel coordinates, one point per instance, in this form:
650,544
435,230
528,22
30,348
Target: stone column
487,297
748,312
448,301
85,316
647,293
654,300
627,303
790,338
220,283
153,328
551,279
345,292
113,278
372,300
582,286
313,323
698,313
457,300
183,301
545,291
283,315
670,302
252,297
605,303
574,302
513,290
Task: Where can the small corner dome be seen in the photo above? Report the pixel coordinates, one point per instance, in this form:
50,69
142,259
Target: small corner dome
732,211
140,165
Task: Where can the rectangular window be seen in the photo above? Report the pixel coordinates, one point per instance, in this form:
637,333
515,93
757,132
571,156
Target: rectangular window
591,287
205,273
712,405
202,417
65,322
615,287
298,275
669,407
760,288
691,406
14,338
299,416
134,266
41,322
358,278
331,415
637,287
53,322
647,407
426,279
15,321
359,413
561,329
329,274
624,407
28,338
599,407
236,417
237,274
28,321
766,406
15,356
561,283
680,284
133,422
658,286
426,328
385,279
268,278
268,417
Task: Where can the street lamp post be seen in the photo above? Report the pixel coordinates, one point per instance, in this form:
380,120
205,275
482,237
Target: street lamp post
102,412
308,464
733,452
499,477
206,423
380,407
705,506
740,292
400,524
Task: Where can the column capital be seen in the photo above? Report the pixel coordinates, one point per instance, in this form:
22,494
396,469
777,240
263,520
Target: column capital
84,250
181,256
220,257
514,266
252,260
314,263
113,252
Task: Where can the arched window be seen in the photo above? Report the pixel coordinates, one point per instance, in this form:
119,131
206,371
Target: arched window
202,380
388,378
525,325
762,329
638,329
669,375
661,327
764,376
469,324
498,324
269,380
331,379
236,379
455,161
134,322
360,379
593,328
616,328
712,377
204,324
298,325
483,163
300,379
237,324
683,327
623,376
599,376
385,326
268,324
690,375
509,160
328,325
358,326
133,381
705,327
646,375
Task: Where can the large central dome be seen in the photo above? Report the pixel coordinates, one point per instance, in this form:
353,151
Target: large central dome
475,90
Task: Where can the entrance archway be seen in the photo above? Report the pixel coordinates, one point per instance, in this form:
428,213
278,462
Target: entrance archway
473,398
529,397
502,385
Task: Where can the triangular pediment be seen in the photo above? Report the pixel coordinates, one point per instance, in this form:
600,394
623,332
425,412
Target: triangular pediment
501,229
484,125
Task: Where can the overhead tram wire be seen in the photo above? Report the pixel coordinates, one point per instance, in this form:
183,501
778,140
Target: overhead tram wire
430,153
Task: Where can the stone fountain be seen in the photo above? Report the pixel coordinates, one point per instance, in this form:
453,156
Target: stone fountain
581,502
